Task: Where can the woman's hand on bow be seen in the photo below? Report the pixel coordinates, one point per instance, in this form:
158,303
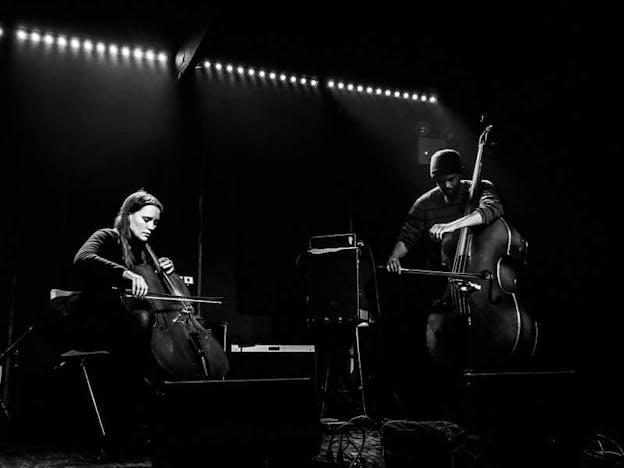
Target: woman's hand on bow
139,285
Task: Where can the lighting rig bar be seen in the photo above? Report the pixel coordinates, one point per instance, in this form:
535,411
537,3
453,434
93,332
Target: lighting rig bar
62,42
251,72
261,73
140,53
377,91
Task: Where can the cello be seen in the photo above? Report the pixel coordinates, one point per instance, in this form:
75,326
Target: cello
179,343
489,324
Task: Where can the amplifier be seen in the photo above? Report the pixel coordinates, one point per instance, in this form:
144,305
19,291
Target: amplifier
331,241
534,408
331,280
272,361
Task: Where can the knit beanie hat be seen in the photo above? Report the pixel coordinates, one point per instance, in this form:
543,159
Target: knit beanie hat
446,161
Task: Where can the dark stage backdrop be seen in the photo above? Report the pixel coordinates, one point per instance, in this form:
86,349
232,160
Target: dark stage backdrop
275,165
274,171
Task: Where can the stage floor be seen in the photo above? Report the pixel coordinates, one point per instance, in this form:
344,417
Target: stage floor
356,443
338,436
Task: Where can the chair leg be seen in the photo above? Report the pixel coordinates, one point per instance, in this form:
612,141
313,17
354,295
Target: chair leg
95,406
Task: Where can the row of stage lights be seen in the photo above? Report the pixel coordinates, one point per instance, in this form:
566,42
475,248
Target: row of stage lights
260,73
332,84
89,46
139,54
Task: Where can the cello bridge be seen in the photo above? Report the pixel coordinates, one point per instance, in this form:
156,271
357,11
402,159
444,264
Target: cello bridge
466,287
184,313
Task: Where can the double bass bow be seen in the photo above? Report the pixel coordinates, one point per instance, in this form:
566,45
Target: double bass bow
491,327
179,343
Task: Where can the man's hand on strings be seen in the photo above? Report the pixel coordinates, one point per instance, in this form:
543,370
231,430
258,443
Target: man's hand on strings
437,231
166,264
139,285
393,265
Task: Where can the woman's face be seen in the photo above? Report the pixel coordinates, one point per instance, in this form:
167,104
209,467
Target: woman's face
144,222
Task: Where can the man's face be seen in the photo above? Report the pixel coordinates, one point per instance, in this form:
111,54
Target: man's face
449,184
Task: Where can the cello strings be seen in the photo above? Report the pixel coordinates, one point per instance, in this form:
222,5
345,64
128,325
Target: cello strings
457,269
465,257
187,307
459,266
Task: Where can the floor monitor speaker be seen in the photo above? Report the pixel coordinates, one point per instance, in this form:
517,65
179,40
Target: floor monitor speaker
234,422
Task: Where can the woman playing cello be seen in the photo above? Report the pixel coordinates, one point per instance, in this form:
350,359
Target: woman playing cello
106,260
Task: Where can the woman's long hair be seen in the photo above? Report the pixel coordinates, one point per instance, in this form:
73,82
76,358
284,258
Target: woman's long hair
133,203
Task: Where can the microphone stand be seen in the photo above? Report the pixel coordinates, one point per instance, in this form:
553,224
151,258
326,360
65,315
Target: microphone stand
5,353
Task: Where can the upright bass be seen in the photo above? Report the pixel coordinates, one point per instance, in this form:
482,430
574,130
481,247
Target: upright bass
490,326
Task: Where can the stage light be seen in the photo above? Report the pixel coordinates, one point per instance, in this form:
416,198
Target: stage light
87,45
330,83
218,66
433,99
1,32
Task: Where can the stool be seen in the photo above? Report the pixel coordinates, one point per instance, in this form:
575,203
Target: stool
81,357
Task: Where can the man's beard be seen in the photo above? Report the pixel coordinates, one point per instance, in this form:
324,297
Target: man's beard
450,195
